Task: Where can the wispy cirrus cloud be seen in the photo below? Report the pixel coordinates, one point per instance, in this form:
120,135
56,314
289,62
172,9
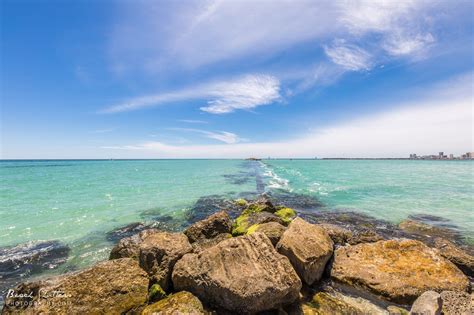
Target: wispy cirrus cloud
223,136
243,93
192,121
349,57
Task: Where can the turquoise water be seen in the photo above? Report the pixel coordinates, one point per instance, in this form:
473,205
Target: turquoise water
77,202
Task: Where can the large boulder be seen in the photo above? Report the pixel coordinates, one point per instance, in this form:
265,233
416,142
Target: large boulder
308,247
456,255
205,243
273,230
158,254
210,227
399,270
130,246
457,303
112,287
429,303
179,303
243,274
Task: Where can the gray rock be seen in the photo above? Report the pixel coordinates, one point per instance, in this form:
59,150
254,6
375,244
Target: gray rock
130,246
429,303
308,247
243,274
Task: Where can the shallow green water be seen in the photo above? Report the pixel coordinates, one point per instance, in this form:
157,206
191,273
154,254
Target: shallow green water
77,202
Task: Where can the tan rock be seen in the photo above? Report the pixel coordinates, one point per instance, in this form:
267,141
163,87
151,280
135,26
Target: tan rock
457,303
273,230
456,255
335,303
130,246
308,247
242,274
338,234
179,303
205,243
216,224
395,310
111,287
399,270
158,254
365,236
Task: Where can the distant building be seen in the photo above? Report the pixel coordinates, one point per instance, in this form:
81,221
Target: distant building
469,155
413,156
451,156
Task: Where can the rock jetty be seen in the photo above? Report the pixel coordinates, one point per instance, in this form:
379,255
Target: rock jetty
268,260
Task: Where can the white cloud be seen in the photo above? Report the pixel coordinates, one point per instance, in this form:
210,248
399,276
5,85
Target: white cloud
439,120
192,121
349,57
223,136
246,92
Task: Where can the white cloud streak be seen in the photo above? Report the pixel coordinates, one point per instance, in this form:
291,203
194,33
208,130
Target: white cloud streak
223,136
350,57
192,121
244,93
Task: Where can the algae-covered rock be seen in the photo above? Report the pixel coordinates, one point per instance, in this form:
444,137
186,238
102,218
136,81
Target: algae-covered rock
456,255
243,274
426,230
178,303
428,303
273,230
158,254
248,218
335,303
130,246
457,303
241,202
156,293
395,310
210,227
286,214
398,270
308,247
111,287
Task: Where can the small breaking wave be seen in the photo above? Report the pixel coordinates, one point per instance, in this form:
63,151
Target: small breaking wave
275,181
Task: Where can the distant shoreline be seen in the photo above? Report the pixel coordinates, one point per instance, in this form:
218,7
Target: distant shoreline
217,159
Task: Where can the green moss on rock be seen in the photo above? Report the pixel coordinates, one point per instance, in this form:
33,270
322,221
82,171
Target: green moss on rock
241,225
241,202
156,293
253,228
286,214
179,303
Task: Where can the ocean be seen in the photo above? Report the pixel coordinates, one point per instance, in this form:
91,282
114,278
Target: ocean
79,202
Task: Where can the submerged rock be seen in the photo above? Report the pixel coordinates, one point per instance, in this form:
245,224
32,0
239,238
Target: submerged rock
335,303
112,287
158,254
179,303
130,246
243,274
457,303
210,227
25,259
295,200
308,247
208,205
127,231
456,255
398,270
273,230
428,303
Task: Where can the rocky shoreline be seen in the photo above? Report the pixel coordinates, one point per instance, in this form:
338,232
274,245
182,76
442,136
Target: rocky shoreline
261,257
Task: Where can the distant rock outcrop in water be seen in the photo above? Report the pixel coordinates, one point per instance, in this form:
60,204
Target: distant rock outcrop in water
318,263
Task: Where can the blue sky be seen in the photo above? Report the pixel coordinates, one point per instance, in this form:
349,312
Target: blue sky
161,79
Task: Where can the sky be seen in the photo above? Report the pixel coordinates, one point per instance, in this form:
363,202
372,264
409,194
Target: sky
234,79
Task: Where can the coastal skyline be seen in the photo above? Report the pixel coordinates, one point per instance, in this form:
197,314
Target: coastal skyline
117,79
